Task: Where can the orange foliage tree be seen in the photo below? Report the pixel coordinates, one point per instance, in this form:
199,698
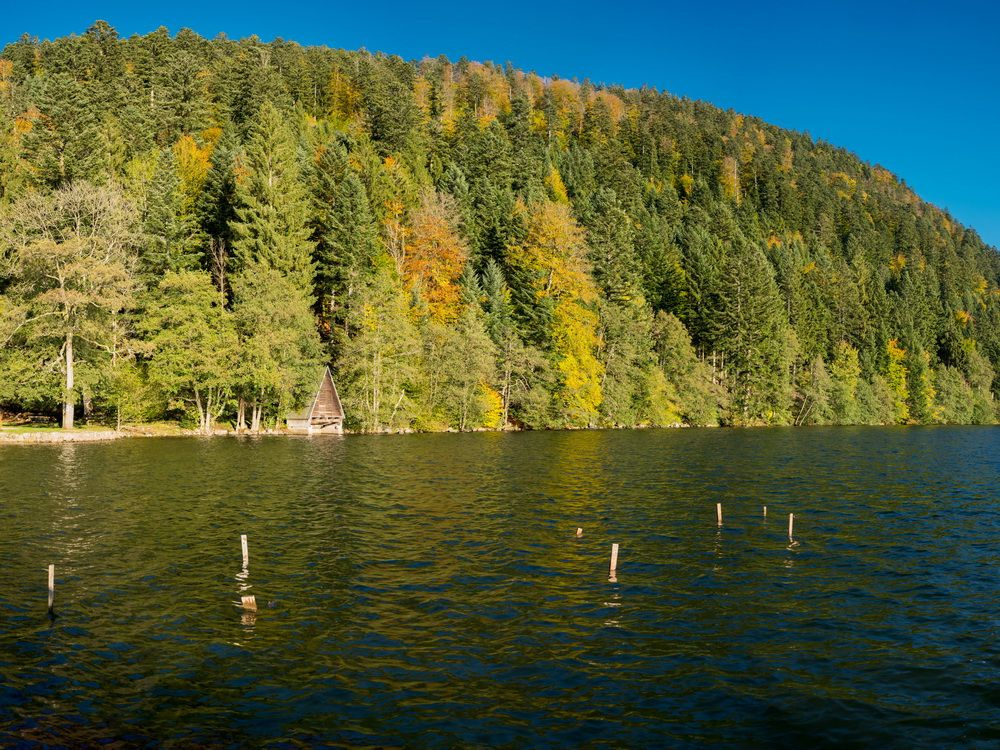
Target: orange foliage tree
435,256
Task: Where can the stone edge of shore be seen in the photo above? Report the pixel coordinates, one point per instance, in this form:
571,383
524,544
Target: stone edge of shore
90,436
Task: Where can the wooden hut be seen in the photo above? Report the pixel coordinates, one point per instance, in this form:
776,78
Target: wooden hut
324,414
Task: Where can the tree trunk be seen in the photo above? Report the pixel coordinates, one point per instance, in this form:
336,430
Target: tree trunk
69,396
508,373
376,390
204,411
255,417
206,420
241,415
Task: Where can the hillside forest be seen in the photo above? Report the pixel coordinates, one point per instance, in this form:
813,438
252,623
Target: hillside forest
191,228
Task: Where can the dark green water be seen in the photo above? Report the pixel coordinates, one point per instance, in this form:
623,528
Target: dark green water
429,591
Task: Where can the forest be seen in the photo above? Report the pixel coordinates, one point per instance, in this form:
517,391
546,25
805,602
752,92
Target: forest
191,227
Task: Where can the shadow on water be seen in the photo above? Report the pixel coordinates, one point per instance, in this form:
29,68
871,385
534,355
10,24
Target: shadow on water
430,590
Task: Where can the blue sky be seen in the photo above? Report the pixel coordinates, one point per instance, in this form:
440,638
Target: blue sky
914,86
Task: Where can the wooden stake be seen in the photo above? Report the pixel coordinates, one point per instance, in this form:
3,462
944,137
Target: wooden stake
791,522
52,586
614,562
246,552
718,512
579,532
250,603
765,511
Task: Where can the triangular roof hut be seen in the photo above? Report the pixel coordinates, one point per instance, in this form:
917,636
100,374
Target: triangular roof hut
324,414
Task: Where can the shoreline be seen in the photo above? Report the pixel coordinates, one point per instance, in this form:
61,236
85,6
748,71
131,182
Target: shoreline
84,436
55,435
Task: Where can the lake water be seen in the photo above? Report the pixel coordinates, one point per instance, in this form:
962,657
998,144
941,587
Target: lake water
429,590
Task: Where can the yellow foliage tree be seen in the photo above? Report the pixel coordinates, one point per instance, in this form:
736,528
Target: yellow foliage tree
488,91
555,253
614,105
567,108
729,179
553,256
557,188
422,95
193,163
687,185
344,98
896,374
493,402
574,330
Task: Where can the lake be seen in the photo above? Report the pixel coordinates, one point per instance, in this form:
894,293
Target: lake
429,590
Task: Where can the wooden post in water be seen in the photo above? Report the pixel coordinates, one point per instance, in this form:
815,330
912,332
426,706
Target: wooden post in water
579,532
249,601
614,563
718,512
791,523
52,587
765,511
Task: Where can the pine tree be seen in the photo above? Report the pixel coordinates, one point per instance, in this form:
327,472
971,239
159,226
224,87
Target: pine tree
62,144
173,241
272,203
348,248
749,329
611,237
216,208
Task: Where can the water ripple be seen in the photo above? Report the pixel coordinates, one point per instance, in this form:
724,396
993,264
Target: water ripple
430,590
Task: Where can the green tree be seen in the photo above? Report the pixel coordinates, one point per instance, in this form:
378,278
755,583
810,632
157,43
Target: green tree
749,329
459,363
522,374
699,396
273,206
190,345
379,363
74,274
62,144
920,384
172,237
279,347
611,237
845,373
634,390
216,208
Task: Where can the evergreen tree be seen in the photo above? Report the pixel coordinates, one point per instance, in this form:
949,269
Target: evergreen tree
272,203
348,247
216,208
172,237
62,144
749,329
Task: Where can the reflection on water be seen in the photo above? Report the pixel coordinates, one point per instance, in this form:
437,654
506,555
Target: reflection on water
430,590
